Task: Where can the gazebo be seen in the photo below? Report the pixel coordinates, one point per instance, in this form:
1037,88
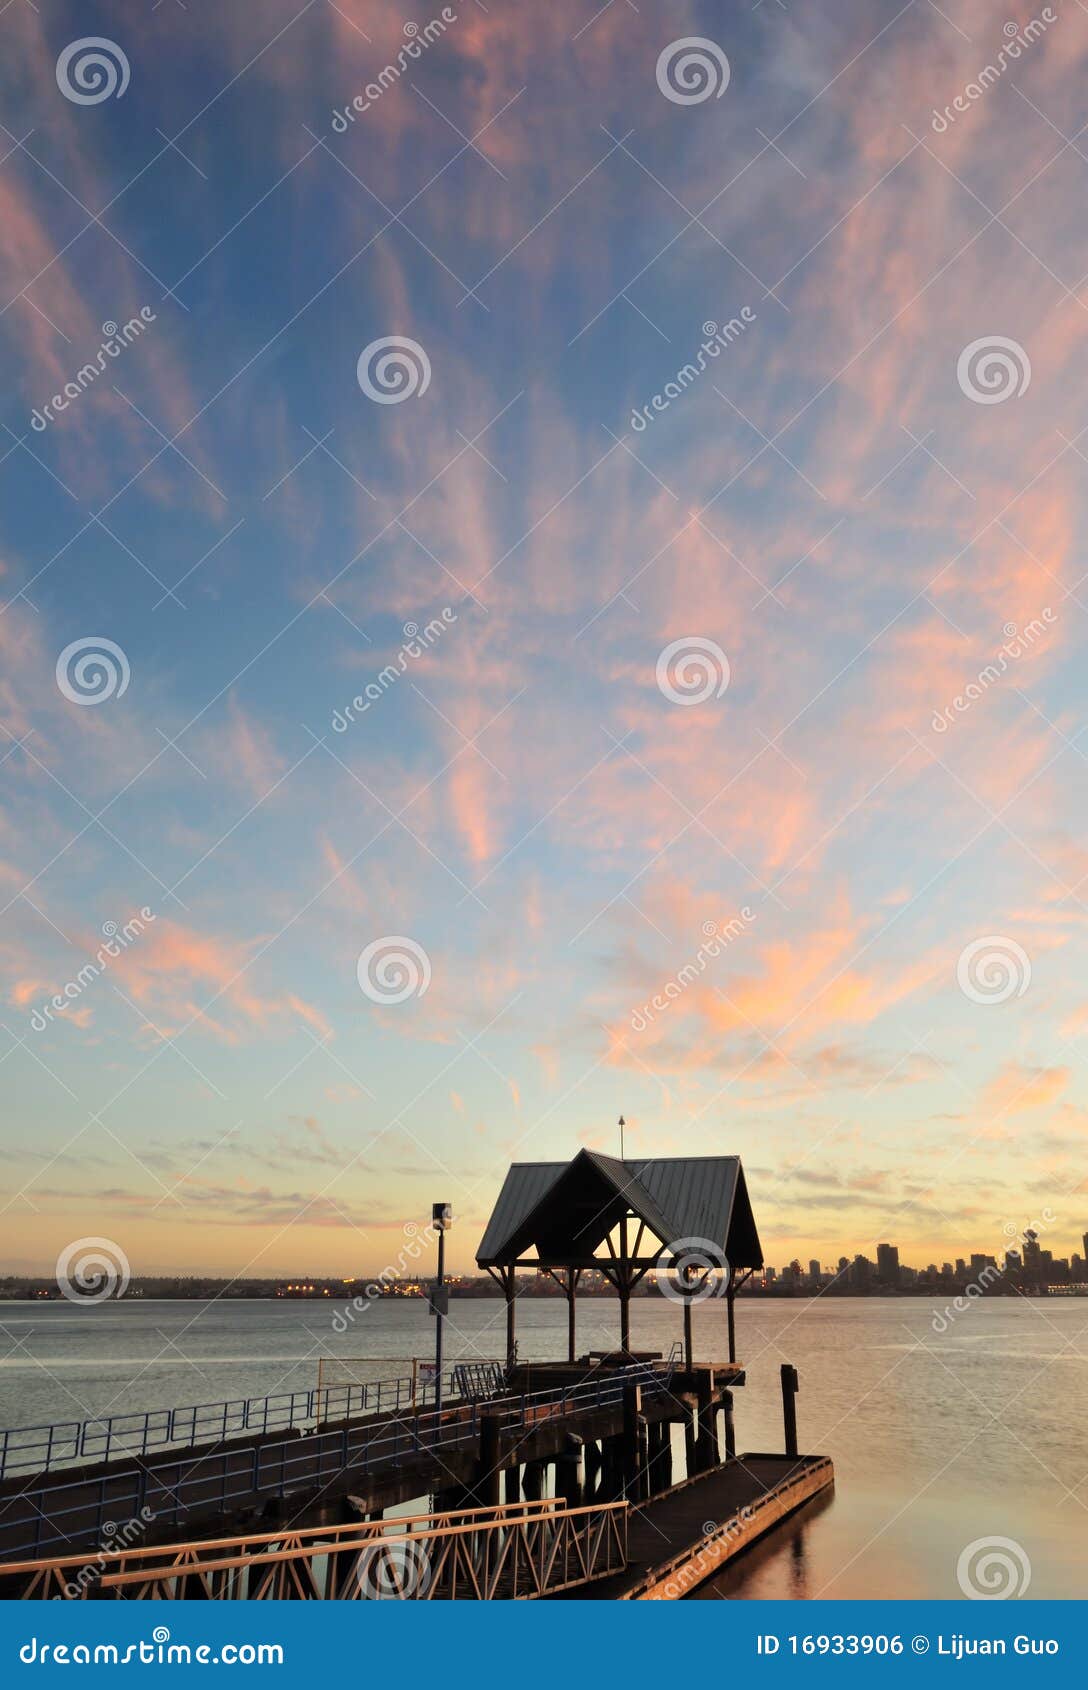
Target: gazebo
687,1217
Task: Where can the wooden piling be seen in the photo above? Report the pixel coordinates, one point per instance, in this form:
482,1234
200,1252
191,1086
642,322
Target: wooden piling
729,1428
690,1464
489,1465
789,1407
632,1414
706,1446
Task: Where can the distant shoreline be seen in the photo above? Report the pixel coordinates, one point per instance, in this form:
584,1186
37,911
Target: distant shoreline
223,1293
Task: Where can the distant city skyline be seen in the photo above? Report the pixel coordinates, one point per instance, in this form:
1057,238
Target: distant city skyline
1028,1248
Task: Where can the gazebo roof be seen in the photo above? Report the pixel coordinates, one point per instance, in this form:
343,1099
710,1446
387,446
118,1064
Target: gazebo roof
563,1211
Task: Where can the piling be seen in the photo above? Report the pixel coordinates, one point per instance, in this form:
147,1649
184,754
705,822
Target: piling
789,1407
488,1468
568,1472
632,1414
728,1426
706,1447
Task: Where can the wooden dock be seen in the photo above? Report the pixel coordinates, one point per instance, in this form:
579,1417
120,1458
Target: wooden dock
689,1533
605,1423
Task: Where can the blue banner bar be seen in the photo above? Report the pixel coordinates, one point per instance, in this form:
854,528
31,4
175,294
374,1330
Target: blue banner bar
529,1645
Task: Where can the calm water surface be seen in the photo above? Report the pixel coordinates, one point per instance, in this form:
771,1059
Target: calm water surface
937,1440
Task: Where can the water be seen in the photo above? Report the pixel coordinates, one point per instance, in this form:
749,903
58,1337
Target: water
938,1440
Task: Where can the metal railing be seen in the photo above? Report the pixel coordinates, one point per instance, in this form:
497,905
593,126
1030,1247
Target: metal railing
169,1491
43,1449
514,1551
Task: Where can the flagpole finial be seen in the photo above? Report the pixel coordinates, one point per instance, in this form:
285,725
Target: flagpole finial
623,1123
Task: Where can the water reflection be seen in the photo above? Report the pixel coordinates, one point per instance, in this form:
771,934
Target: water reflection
781,1559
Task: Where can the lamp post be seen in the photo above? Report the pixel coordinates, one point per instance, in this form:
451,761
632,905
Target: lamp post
441,1217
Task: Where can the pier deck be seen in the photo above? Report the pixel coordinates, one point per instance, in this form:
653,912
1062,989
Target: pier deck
376,1461
669,1550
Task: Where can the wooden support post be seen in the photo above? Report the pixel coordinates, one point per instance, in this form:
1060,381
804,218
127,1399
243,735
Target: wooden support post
706,1449
632,1414
449,1500
592,1468
512,1484
789,1407
730,1315
625,1316
572,1291
730,1429
511,1340
653,1457
533,1480
664,1476
568,1472
690,1466
689,1347
489,1466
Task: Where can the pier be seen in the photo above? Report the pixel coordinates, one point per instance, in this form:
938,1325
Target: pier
525,1479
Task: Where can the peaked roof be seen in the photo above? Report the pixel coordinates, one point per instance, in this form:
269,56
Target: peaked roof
563,1211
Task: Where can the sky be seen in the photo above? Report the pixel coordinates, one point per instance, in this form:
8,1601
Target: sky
705,560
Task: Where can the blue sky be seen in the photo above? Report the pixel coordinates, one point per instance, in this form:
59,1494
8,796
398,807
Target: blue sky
850,513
